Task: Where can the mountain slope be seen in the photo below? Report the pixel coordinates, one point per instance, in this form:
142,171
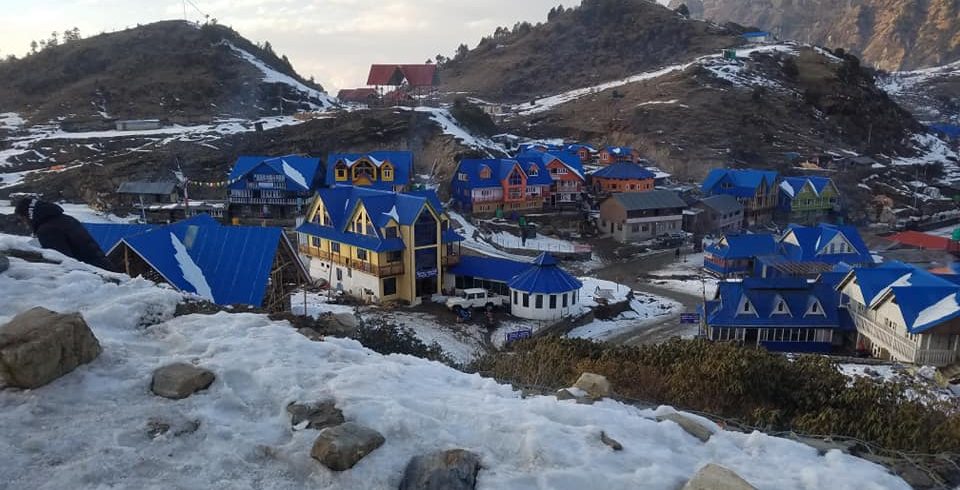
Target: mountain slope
930,93
892,34
600,40
172,70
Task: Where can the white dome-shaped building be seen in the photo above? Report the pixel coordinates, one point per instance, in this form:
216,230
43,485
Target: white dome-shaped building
544,291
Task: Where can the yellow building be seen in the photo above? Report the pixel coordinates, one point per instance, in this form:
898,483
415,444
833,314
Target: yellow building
379,245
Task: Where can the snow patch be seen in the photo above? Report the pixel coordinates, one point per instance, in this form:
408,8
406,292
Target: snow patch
947,306
191,271
273,76
295,175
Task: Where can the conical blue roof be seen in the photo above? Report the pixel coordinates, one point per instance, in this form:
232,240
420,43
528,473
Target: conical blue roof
545,277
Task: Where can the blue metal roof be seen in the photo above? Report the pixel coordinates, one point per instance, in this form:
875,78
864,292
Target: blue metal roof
765,296
951,130
569,160
744,246
107,235
742,183
373,243
623,171
575,147
489,268
924,307
402,162
619,150
302,173
792,185
813,242
756,34
227,264
544,276
500,168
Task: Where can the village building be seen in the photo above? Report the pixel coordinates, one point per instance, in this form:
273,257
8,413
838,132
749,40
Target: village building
367,95
415,80
614,154
638,216
142,193
138,124
586,153
382,170
759,37
537,290
500,186
379,246
173,212
755,189
808,200
621,177
539,146
714,214
735,255
226,265
566,172
272,190
780,315
905,314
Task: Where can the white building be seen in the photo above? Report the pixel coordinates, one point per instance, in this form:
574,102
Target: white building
544,291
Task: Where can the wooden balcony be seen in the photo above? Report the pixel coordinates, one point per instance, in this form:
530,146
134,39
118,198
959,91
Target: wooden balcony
387,270
900,348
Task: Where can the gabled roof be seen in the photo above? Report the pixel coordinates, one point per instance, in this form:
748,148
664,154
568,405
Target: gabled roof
147,187
418,75
569,160
922,240
792,185
765,294
382,206
744,246
107,235
402,162
301,172
357,94
500,168
722,203
623,171
925,300
544,276
744,182
655,199
755,34
813,242
618,150
575,147
225,264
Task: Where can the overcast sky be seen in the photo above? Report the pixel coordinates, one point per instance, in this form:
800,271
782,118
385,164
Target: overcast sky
333,40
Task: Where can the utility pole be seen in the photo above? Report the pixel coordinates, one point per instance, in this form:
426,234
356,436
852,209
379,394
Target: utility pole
184,9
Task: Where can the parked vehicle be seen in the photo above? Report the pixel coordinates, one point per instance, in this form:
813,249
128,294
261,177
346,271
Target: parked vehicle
476,298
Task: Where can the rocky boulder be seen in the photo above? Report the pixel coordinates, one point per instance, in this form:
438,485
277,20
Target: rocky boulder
577,394
180,380
39,346
716,477
455,469
316,415
4,262
604,438
340,448
596,385
691,426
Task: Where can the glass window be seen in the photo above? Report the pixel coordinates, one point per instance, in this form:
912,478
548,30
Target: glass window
564,296
335,247
394,256
539,304
515,297
339,274
361,254
392,232
390,286
553,301
526,300
316,241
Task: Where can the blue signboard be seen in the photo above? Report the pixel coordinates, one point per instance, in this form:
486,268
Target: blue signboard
689,318
519,334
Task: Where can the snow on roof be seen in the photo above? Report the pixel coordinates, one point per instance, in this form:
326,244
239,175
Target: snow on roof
190,270
294,174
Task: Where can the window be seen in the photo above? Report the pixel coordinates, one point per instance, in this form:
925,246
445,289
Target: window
645,228
361,254
526,300
485,172
515,297
564,296
341,169
391,232
533,171
636,228
553,301
746,307
339,274
335,247
390,286
462,176
539,303
394,256
386,172
315,241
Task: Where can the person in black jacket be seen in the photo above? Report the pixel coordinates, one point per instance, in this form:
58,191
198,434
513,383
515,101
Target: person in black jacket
61,232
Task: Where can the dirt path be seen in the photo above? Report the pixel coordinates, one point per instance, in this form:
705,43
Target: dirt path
626,272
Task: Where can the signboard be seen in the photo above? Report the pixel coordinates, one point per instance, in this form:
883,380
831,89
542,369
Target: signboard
690,318
426,273
525,333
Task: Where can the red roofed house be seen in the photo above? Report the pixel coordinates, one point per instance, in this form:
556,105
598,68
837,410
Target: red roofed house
358,95
926,241
412,79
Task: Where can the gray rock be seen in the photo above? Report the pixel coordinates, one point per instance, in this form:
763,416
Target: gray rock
594,384
39,346
310,334
180,380
318,415
604,438
455,469
688,424
4,262
174,425
582,397
716,477
340,448
348,320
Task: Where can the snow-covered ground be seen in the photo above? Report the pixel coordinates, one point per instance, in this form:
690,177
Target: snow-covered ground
548,103
690,265
475,241
899,83
273,76
645,310
316,304
89,428
82,212
931,149
542,243
449,125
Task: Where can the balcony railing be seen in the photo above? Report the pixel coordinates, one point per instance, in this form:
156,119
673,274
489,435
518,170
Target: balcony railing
902,349
356,264
266,200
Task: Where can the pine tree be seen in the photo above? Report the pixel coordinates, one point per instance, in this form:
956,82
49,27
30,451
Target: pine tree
462,51
33,47
683,10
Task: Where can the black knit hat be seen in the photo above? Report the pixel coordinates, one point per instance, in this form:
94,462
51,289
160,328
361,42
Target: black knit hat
23,207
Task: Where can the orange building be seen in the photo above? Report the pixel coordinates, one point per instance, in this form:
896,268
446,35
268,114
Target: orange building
621,177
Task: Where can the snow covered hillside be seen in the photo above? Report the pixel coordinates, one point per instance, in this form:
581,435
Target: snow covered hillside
320,100
89,429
